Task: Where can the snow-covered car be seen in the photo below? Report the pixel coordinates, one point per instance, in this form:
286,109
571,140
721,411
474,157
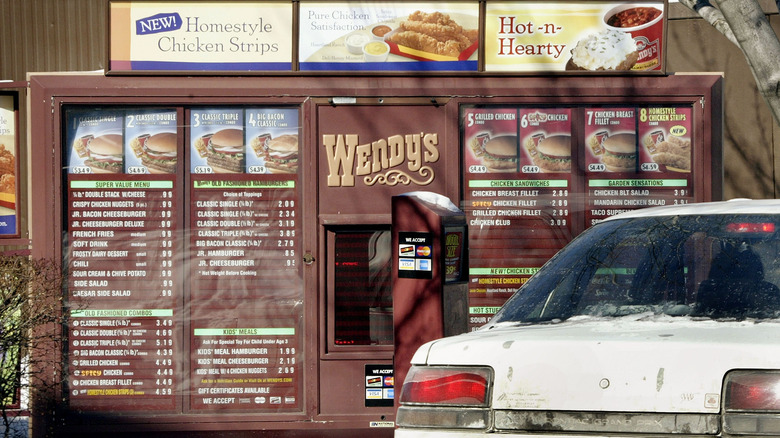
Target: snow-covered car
661,321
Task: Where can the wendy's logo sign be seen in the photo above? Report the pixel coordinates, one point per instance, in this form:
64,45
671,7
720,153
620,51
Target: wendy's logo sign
380,161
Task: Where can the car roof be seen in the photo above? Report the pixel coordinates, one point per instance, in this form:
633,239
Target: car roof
734,206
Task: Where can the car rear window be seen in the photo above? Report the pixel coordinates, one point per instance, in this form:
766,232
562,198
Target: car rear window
714,266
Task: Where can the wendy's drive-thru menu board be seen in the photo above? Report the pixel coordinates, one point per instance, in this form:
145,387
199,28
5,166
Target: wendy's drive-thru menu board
167,296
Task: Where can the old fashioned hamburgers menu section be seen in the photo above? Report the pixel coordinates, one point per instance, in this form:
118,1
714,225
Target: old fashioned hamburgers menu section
176,307
534,177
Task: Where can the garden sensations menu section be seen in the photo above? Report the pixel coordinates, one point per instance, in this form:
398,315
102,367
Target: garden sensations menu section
123,259
245,281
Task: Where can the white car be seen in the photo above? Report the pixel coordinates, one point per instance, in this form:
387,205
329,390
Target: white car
661,321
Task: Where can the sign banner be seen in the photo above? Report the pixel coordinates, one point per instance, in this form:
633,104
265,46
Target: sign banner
574,36
188,36
380,36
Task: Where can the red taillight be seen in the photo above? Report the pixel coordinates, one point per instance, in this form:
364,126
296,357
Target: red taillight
751,227
752,391
446,386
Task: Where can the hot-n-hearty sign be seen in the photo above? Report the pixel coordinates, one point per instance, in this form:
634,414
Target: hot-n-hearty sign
377,160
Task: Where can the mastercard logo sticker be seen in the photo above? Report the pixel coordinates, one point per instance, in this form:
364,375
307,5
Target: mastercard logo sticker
423,251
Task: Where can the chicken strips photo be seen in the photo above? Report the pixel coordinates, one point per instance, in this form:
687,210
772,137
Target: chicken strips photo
434,32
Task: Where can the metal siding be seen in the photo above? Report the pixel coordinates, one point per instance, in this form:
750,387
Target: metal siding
51,35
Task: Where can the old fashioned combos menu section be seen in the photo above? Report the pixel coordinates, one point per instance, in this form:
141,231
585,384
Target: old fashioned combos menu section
534,178
183,307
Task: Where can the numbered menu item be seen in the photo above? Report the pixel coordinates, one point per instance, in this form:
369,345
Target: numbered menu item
665,134
217,141
151,142
273,137
610,136
546,137
245,368
636,158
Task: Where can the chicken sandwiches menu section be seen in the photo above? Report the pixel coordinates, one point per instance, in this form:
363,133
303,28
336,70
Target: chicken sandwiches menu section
526,171
139,264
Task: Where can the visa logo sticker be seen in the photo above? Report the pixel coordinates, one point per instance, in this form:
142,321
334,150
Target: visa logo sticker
406,265
158,23
373,394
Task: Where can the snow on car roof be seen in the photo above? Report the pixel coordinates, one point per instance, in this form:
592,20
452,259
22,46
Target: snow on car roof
734,206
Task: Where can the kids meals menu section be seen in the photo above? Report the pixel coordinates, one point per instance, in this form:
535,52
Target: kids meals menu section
178,307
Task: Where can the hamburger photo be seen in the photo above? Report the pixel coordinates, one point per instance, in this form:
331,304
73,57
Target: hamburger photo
499,154
224,150
103,153
280,153
619,152
553,153
157,152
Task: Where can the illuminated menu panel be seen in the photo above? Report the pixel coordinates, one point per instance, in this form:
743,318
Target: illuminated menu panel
123,262
534,177
142,267
244,240
245,279
518,164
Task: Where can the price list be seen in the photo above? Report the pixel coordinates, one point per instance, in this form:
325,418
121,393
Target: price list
122,285
122,359
244,241
518,213
244,238
251,368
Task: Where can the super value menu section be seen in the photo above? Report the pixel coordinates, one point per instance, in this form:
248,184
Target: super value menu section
182,255
534,177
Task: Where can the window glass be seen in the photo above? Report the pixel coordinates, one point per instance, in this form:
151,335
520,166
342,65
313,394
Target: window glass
718,266
363,302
